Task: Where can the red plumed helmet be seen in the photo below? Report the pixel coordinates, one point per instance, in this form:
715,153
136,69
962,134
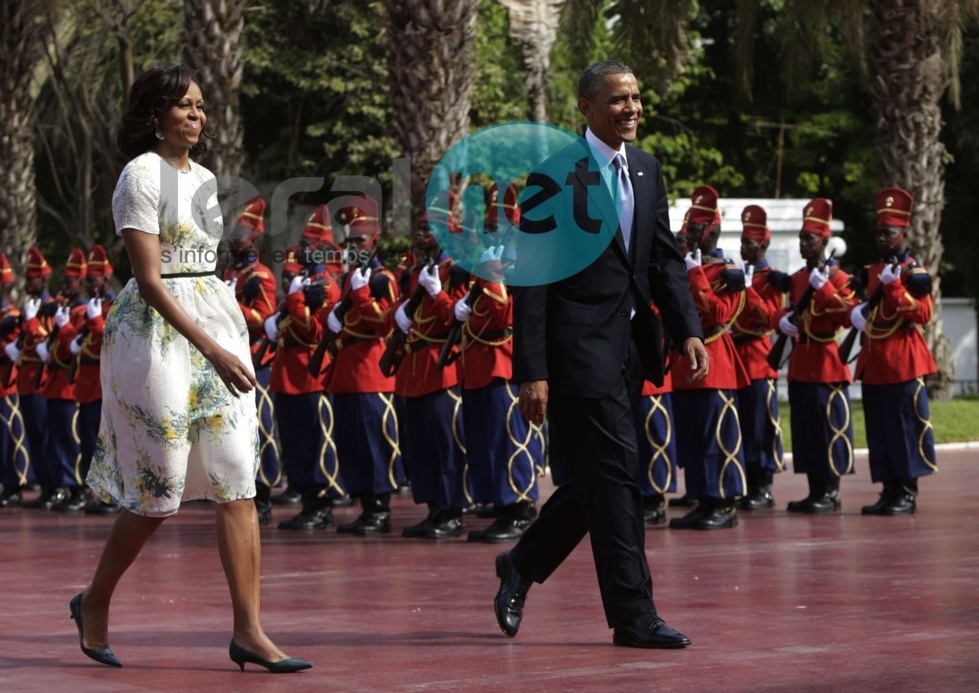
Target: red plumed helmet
894,207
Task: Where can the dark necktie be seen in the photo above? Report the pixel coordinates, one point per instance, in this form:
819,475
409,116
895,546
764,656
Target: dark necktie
626,203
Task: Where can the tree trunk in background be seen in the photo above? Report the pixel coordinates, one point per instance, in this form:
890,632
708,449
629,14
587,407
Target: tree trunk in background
533,27
431,62
215,34
908,77
20,56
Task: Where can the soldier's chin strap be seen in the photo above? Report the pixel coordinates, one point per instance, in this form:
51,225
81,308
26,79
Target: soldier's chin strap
901,237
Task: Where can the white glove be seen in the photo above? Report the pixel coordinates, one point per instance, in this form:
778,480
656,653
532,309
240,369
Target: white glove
401,319
857,319
461,309
31,307
431,281
75,345
42,352
94,308
11,351
298,282
492,254
749,273
692,259
786,327
890,274
62,316
818,277
232,283
271,328
360,278
333,323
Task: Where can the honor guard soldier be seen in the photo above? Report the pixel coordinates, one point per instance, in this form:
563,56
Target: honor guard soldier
761,431
708,431
85,370
503,450
684,501
14,460
821,298
37,320
255,288
303,412
433,403
894,361
366,430
62,450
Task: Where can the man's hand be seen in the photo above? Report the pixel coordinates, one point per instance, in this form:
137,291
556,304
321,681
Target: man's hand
857,319
533,401
699,360
31,307
749,273
818,277
431,281
692,260
333,323
786,327
890,274
401,319
360,278
272,327
461,310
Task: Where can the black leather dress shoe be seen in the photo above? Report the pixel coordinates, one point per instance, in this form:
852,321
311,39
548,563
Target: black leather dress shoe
650,632
447,527
10,497
722,515
690,520
759,499
419,529
367,523
314,518
653,509
510,598
48,498
73,502
814,505
880,506
902,503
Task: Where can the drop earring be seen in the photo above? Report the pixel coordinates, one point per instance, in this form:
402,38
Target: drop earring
159,134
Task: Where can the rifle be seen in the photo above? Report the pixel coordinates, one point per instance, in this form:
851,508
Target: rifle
394,349
328,343
846,346
446,357
774,357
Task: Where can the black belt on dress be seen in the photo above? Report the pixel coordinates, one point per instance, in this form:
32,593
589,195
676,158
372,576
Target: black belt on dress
181,275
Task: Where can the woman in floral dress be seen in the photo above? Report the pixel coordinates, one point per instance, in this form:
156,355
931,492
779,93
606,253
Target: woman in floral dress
175,364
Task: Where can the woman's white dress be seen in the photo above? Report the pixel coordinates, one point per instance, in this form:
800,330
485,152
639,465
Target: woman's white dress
170,428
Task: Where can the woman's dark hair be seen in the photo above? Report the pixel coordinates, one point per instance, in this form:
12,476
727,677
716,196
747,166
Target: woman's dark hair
153,93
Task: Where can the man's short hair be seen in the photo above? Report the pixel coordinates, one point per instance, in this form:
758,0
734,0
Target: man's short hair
593,76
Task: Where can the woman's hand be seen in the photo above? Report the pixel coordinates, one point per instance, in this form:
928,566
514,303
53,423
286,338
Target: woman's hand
235,375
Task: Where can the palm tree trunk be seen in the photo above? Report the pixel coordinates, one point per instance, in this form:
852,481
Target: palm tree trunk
215,31
533,27
908,78
431,68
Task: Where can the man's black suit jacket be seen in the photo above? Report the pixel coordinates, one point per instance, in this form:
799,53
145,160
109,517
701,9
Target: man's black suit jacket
575,332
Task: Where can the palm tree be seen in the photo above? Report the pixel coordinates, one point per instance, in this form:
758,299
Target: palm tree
431,68
533,27
214,31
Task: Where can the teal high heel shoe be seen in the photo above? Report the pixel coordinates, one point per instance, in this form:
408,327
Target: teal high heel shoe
102,655
239,655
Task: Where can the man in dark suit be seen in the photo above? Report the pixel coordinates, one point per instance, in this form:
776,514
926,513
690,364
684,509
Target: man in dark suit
582,345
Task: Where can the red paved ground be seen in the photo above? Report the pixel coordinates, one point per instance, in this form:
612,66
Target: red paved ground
831,603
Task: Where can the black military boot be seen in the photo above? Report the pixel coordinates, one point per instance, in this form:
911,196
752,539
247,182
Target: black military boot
690,520
512,522
73,502
828,501
723,514
419,529
11,497
759,494
654,509
263,504
816,501
50,495
448,525
903,498
885,498
317,513
684,501
375,517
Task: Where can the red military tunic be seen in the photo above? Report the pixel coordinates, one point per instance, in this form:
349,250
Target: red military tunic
894,350
753,327
718,304
56,384
299,333
815,355
10,316
35,331
88,380
366,325
258,308
487,341
419,373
